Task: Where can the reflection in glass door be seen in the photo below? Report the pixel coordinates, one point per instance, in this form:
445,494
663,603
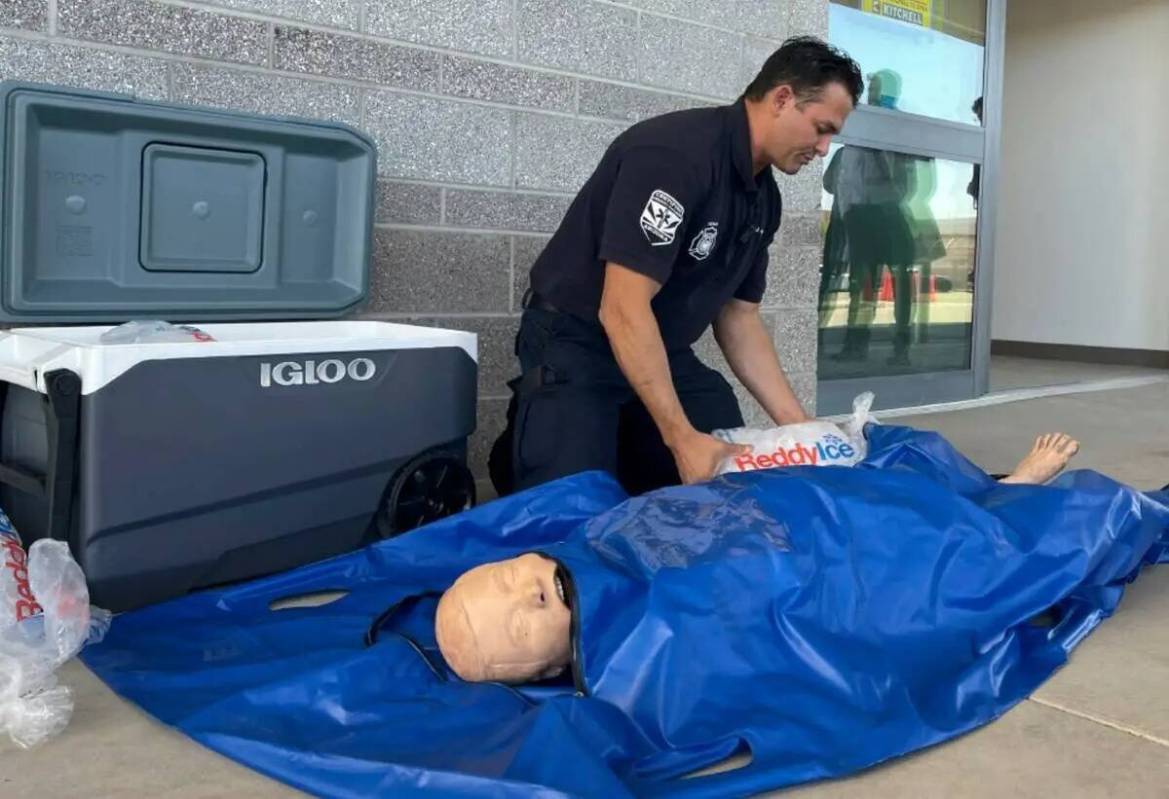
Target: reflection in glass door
918,56
900,299
897,282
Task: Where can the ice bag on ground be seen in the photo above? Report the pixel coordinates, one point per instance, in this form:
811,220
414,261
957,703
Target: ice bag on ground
816,443
45,619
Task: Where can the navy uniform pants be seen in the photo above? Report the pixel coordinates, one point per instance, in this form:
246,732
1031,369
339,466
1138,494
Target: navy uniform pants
572,409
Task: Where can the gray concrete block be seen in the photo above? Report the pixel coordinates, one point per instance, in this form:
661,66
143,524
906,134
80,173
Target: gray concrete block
578,35
692,58
749,407
264,94
337,55
527,250
30,15
807,17
498,210
804,385
793,278
760,17
329,13
709,353
82,68
430,272
795,338
408,203
614,101
755,52
802,192
484,490
557,153
766,18
491,419
706,348
800,230
153,26
474,26
482,80
496,339
442,140
497,359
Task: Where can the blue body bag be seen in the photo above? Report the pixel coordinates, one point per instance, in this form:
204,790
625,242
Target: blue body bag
823,619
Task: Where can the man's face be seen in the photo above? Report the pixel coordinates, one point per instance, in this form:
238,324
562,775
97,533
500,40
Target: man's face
506,621
799,131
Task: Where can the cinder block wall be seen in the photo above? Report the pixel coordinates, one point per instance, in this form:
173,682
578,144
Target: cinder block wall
488,115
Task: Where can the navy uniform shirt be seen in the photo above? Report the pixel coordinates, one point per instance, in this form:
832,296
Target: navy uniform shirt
675,198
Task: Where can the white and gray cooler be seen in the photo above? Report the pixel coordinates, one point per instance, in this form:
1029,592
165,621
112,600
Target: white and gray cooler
172,466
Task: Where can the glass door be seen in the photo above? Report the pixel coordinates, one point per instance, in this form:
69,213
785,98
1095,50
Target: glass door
905,276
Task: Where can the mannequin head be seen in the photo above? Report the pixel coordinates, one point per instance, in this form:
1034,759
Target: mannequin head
506,622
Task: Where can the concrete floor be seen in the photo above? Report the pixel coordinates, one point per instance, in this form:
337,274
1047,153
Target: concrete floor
1099,728
1007,372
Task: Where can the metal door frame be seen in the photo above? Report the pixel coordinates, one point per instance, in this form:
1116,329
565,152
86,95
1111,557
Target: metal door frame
882,128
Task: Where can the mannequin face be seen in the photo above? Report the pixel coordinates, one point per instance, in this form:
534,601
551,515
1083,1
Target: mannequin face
507,621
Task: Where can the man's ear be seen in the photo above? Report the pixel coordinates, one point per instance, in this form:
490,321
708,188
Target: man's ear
782,96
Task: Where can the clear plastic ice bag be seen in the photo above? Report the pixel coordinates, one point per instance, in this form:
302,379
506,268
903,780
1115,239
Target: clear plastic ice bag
153,330
816,443
45,619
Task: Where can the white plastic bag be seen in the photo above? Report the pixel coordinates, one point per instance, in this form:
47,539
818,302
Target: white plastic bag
807,444
45,619
148,331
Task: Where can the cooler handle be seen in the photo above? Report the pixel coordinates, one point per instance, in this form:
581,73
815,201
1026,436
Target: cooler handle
62,417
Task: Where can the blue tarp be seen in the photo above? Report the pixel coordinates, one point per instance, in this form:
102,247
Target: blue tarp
822,618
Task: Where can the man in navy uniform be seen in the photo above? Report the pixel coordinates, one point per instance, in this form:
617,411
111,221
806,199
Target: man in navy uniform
667,237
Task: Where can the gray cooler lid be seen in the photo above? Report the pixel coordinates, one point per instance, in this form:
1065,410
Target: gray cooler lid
114,208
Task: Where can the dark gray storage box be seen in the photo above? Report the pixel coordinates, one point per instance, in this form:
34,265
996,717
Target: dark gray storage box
174,466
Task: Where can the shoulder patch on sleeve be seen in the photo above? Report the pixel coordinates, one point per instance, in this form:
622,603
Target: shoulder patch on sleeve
661,218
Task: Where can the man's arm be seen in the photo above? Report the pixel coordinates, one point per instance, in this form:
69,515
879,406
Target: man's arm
750,351
636,339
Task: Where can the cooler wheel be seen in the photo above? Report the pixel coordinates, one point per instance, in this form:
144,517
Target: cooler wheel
430,487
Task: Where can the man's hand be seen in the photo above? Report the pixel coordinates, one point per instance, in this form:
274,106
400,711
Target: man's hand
698,455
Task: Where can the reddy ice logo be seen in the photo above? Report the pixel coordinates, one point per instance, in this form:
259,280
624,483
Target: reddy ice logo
14,587
830,449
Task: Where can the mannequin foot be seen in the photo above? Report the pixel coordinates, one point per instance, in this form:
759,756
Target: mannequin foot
1046,459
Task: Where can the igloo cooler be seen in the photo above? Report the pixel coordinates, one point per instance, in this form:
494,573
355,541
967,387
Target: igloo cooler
294,433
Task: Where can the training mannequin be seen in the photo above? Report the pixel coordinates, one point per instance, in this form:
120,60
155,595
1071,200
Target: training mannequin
509,621
816,620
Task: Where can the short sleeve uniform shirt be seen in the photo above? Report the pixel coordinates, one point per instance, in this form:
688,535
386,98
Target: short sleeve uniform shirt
675,198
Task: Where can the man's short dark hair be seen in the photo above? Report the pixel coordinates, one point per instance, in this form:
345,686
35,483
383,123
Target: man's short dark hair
807,64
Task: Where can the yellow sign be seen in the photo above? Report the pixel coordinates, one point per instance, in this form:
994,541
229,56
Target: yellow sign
915,12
